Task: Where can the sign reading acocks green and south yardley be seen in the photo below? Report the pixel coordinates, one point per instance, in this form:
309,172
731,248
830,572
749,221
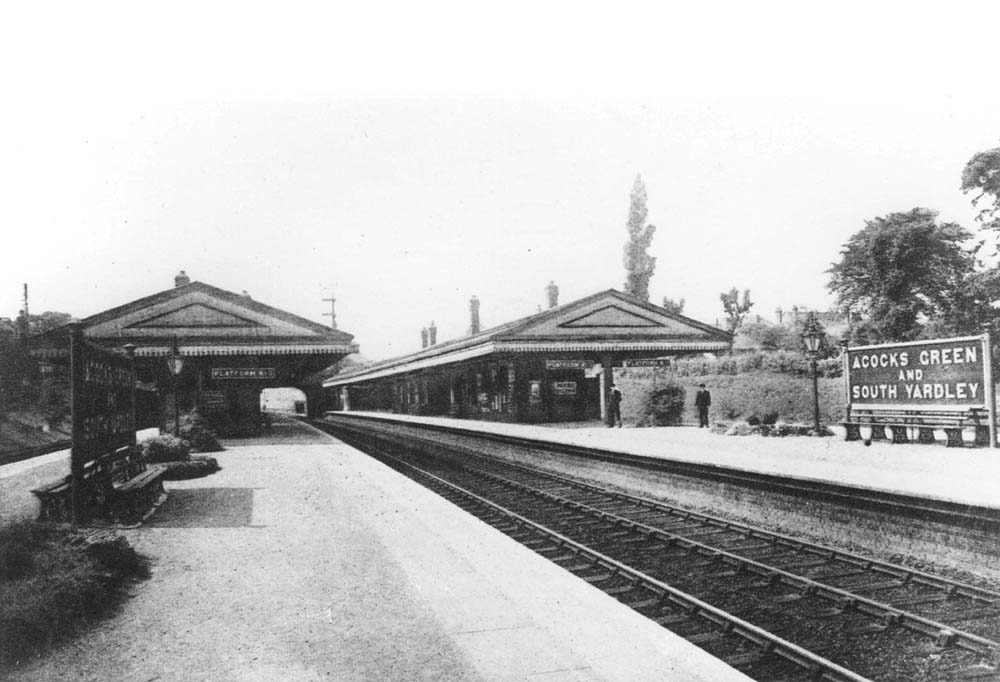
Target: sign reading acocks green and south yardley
924,374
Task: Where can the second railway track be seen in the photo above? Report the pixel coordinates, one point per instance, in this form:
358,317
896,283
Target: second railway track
880,620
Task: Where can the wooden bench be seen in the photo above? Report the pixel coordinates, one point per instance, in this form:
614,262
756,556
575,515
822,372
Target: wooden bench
118,487
901,422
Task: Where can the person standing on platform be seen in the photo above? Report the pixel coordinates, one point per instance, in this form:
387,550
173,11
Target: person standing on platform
614,407
702,400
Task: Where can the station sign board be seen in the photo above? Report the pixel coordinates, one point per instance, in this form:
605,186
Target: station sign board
243,373
568,364
103,409
535,392
213,400
931,375
648,362
564,387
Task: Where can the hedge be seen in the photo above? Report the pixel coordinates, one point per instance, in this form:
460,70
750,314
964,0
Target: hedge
767,396
780,362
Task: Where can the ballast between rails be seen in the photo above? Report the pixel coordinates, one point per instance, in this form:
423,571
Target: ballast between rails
821,669
905,506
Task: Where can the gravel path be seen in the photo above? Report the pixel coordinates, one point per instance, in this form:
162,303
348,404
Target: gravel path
264,571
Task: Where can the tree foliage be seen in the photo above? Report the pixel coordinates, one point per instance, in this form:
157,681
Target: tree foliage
982,175
672,306
38,324
767,336
734,308
639,265
904,270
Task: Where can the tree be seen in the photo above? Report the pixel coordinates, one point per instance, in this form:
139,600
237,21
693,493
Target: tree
672,306
38,324
735,309
769,336
639,265
905,269
982,174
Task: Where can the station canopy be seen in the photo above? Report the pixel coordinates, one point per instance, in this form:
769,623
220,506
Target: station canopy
606,322
206,321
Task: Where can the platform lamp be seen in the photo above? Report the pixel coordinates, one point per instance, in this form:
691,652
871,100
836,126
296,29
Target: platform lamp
813,334
176,363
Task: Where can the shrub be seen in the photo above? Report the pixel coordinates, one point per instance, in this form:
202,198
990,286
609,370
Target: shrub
778,430
661,405
196,467
54,582
197,431
166,448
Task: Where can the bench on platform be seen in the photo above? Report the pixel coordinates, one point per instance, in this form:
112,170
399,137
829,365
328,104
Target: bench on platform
118,486
902,423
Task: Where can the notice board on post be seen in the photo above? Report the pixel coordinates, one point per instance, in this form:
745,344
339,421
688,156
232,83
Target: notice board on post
923,376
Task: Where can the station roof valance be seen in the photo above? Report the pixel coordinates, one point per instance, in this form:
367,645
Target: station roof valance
609,321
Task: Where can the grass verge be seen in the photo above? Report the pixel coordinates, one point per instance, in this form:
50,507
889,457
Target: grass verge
54,582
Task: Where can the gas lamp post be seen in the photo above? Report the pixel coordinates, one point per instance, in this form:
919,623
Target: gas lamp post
813,334
176,362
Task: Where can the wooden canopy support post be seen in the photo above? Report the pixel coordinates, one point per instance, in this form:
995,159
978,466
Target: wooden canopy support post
514,373
607,379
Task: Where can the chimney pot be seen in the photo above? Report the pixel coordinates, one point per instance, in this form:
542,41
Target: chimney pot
474,316
181,279
553,293
432,334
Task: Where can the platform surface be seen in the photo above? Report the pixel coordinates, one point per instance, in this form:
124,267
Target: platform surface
304,560
964,475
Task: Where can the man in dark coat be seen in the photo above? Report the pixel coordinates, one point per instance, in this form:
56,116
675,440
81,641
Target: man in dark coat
614,407
702,400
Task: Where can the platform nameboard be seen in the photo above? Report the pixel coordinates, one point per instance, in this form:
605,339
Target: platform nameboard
648,362
567,364
103,411
932,375
243,373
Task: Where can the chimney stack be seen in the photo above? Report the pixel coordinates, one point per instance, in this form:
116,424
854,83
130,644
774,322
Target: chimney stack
181,279
553,293
474,316
423,337
432,334
780,314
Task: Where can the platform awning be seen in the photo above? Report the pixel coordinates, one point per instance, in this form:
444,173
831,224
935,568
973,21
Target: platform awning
519,347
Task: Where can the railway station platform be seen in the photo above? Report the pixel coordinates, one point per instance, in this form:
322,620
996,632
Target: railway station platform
962,475
305,560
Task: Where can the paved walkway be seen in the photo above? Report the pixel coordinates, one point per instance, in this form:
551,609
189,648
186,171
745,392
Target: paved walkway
305,560
965,475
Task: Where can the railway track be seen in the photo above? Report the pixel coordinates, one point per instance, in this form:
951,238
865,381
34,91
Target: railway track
957,515
722,585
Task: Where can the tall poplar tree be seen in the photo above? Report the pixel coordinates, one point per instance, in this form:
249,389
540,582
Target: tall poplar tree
639,265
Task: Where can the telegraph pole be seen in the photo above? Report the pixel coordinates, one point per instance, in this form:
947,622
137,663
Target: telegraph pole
333,311
26,325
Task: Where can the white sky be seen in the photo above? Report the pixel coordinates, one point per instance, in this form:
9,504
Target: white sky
406,156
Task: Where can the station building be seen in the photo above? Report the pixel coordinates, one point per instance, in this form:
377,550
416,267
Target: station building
231,348
556,365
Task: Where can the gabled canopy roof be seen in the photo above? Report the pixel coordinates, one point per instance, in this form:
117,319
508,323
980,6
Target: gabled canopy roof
207,320
605,321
